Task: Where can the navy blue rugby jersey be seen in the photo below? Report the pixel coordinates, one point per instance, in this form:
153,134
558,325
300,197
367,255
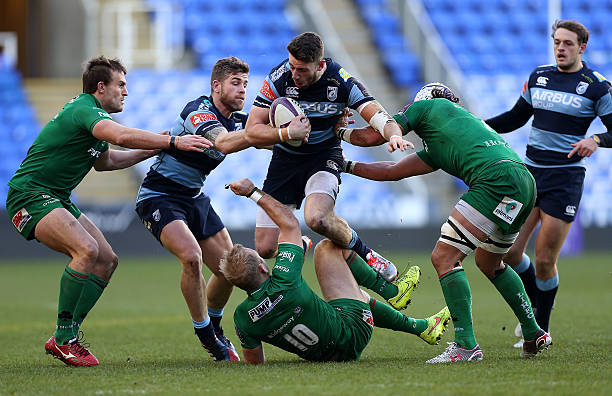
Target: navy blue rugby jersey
564,105
323,102
177,172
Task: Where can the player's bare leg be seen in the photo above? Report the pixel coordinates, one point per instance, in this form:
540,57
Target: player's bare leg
266,241
320,217
62,232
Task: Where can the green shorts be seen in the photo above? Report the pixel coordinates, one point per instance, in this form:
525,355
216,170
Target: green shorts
26,209
355,319
505,194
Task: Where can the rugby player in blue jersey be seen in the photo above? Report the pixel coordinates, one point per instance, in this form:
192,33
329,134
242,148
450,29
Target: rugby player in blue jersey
173,208
311,171
564,99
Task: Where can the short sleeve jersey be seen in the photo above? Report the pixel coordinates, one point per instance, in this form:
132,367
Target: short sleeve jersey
179,172
454,140
65,149
323,102
286,313
564,105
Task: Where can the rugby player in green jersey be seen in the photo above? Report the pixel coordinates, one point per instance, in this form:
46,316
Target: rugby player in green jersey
282,310
38,201
486,219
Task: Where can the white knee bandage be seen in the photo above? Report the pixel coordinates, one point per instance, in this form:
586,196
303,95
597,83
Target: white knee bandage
499,243
454,234
322,183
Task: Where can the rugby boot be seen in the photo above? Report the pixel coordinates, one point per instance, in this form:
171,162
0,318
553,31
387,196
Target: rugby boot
541,341
384,267
454,353
405,285
220,352
436,326
73,353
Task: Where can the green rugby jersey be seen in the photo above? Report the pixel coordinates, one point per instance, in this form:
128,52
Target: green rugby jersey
65,149
455,141
286,313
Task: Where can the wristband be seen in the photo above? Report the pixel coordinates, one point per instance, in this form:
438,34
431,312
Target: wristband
349,166
280,134
255,194
288,134
172,142
596,138
344,134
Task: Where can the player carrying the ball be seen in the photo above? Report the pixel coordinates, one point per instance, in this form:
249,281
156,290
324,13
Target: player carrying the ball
282,310
312,170
486,219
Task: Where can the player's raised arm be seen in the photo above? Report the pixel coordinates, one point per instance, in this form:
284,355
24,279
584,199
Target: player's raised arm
112,132
259,132
281,215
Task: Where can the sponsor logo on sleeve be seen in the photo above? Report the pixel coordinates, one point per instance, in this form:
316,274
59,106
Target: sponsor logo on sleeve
508,209
581,87
199,118
599,76
267,91
20,219
344,74
104,114
367,317
263,308
287,255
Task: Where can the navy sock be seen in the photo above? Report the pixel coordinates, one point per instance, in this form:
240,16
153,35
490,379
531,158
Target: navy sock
215,316
359,247
546,290
205,331
529,280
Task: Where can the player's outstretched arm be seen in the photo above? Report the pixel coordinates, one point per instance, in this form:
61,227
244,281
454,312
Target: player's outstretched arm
254,356
260,134
378,118
411,165
227,142
121,159
119,135
279,213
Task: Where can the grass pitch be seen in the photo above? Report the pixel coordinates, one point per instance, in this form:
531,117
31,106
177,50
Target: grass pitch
142,335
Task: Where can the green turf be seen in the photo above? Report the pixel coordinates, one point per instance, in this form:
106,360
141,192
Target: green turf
142,334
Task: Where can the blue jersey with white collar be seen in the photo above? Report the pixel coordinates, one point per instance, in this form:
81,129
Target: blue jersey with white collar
323,102
563,105
177,172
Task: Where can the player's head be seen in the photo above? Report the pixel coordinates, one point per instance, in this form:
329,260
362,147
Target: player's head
436,90
244,268
105,79
228,82
569,42
306,58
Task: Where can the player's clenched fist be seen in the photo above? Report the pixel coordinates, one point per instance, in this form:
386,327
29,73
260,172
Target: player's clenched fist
241,187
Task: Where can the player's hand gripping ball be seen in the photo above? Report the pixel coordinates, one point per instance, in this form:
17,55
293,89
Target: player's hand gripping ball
282,111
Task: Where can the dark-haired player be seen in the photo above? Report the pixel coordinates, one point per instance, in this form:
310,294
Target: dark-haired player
39,205
564,99
312,171
487,218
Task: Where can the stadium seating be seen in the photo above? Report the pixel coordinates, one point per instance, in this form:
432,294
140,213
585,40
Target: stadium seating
497,43
18,126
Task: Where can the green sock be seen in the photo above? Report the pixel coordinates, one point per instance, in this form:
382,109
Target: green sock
458,298
510,286
89,296
367,277
387,317
71,286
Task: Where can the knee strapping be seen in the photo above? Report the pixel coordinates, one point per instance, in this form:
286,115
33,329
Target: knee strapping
454,234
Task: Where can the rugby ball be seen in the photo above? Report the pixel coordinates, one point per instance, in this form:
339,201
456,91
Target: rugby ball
282,111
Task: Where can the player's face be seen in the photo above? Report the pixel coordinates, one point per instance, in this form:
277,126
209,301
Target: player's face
568,53
114,93
303,73
232,91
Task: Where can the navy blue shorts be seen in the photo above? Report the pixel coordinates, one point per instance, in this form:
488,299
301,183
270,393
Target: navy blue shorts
197,213
559,190
288,173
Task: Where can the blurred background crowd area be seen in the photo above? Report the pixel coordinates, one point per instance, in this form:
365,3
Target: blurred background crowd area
483,49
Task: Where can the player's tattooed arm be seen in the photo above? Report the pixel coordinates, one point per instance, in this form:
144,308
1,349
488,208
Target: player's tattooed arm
213,133
227,142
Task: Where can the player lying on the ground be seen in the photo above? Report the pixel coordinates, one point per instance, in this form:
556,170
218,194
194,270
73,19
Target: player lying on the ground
282,310
486,219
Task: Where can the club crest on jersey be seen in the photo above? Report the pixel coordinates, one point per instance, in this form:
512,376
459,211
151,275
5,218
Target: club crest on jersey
581,87
20,219
263,308
508,209
542,81
292,92
332,93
